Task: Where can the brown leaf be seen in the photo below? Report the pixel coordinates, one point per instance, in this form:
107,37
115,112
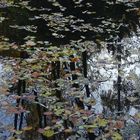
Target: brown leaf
68,130
49,113
35,74
4,90
119,124
74,59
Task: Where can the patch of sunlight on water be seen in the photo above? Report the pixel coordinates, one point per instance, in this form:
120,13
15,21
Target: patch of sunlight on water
104,87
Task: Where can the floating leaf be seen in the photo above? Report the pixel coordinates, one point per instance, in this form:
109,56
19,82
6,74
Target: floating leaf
27,128
90,101
68,112
49,113
48,133
117,136
137,116
68,130
18,132
132,99
4,90
74,59
46,94
90,126
41,130
35,74
47,128
4,103
103,122
59,111
119,124
30,43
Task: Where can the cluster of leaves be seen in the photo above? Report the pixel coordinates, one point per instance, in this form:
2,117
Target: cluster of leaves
62,112
54,75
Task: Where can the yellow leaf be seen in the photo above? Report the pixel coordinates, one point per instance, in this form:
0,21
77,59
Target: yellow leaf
48,133
90,130
117,136
18,132
90,126
59,112
27,128
137,116
102,122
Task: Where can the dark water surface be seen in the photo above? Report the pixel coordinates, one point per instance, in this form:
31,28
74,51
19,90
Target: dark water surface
88,20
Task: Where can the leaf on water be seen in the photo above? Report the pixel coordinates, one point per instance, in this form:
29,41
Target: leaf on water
137,116
13,138
46,94
77,94
69,130
48,133
47,128
35,74
84,117
74,59
16,97
52,48
30,97
30,43
132,99
119,124
101,122
90,101
116,136
90,126
12,110
4,103
54,121
67,112
18,132
27,128
49,113
2,19
86,112
14,46
90,130
59,112
4,90
16,110
31,60
41,130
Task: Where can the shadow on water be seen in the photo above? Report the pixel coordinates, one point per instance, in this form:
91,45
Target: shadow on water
93,13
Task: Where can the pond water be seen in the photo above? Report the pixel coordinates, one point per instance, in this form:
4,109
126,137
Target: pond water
102,27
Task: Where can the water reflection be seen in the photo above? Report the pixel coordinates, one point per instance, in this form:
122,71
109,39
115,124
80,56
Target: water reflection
130,72
99,25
